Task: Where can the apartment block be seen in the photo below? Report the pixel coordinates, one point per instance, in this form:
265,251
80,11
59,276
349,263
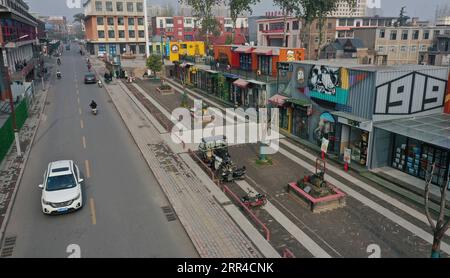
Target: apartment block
115,27
186,28
399,45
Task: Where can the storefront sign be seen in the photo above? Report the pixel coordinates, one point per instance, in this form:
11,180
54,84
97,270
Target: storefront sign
324,146
347,155
367,126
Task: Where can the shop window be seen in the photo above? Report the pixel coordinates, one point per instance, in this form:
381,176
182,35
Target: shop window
245,61
265,64
300,122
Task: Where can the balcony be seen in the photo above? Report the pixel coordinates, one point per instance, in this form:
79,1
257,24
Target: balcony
244,74
275,31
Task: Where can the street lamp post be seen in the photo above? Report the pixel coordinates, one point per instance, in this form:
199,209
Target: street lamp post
147,49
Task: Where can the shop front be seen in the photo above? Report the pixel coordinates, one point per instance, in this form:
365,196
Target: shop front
241,87
300,110
419,143
354,137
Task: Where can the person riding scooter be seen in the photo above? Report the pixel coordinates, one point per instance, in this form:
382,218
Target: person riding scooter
100,84
93,106
59,61
58,74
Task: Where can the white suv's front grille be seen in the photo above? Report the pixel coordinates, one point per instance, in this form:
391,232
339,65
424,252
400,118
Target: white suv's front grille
63,204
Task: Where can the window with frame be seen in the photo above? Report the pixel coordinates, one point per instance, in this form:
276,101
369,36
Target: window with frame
405,35
295,25
109,6
139,7
110,20
101,34
413,48
276,26
100,20
130,7
393,35
245,61
131,21
119,6
350,22
381,49
131,34
426,35
188,21
141,34
415,35
121,34
403,48
366,22
120,21
169,20
265,64
382,33
98,6
161,24
111,34
342,22
140,21
436,33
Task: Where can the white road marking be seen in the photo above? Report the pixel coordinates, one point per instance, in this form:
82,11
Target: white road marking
74,250
293,229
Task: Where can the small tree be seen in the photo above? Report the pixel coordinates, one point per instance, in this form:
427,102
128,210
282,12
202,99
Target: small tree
441,226
154,63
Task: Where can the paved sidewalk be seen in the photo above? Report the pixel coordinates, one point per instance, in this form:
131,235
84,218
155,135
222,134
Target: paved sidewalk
11,167
211,229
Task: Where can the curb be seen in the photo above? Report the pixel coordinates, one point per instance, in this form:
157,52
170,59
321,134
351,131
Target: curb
19,179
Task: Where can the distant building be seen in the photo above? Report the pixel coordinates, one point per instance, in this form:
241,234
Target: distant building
348,49
181,28
115,27
399,45
344,9
443,21
439,53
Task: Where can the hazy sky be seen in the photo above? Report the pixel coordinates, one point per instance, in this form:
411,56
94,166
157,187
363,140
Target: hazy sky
425,9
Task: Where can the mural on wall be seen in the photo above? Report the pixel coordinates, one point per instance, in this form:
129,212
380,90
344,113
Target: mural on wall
408,94
325,128
324,80
332,84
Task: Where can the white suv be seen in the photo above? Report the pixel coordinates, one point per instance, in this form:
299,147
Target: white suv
61,190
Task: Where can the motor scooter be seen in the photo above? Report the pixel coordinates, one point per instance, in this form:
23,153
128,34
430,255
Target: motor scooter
58,75
100,84
94,111
254,200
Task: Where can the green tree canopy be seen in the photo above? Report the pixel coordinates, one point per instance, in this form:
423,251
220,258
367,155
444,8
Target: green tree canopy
154,63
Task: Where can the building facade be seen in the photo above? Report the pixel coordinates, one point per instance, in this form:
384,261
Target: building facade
439,53
115,27
399,45
343,9
18,35
181,28
382,116
271,31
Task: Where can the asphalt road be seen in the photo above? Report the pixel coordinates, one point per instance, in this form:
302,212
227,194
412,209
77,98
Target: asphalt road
122,215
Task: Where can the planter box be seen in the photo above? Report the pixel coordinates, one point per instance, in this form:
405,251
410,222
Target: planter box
165,91
330,202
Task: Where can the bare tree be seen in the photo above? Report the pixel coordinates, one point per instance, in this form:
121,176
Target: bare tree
440,227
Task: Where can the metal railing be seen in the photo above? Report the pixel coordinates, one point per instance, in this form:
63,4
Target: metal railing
226,189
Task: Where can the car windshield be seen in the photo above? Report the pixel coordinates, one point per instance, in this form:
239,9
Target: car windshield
60,182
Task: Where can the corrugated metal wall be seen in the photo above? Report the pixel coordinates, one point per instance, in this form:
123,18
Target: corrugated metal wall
362,94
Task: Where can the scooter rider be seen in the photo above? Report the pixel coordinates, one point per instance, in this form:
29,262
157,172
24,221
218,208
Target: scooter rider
58,74
93,105
59,61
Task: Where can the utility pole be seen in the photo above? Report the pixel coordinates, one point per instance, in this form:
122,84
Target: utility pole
147,49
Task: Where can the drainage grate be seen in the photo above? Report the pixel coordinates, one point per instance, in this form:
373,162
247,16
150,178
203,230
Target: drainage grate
8,246
170,214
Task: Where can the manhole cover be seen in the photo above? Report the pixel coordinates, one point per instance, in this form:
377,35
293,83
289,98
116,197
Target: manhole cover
170,214
8,246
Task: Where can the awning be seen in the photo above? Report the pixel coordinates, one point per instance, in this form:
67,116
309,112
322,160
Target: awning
243,49
278,100
263,51
432,129
300,102
240,83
